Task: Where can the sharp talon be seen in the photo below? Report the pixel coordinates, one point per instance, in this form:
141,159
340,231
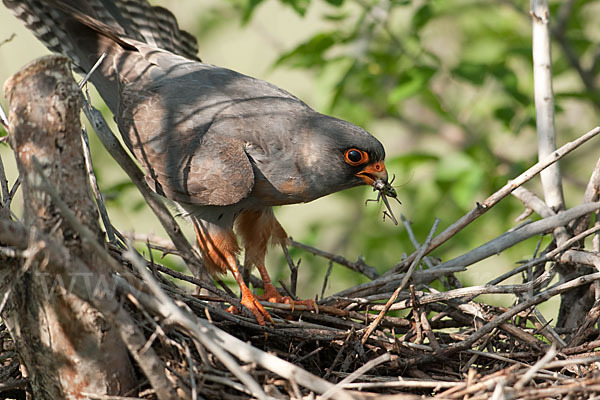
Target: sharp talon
233,310
270,319
258,311
272,296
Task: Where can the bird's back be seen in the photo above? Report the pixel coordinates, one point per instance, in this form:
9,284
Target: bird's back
84,29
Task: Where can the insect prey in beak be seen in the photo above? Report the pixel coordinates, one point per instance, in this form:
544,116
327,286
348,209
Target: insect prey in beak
385,190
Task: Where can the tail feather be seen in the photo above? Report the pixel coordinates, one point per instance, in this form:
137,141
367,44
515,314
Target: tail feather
157,26
84,29
42,23
52,21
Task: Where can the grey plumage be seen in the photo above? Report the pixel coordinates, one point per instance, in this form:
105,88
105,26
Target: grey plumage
226,147
204,134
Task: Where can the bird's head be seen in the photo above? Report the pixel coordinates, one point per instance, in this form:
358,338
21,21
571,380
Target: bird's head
365,165
344,155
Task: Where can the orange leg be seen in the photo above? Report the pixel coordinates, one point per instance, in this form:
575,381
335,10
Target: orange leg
249,300
219,248
257,229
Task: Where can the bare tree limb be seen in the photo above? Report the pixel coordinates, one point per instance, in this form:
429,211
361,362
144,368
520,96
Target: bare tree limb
530,200
491,201
544,108
492,247
44,122
403,284
358,266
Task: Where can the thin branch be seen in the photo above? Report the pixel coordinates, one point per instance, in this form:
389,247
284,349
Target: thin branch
492,247
413,239
293,270
537,299
85,142
467,292
13,191
544,109
547,257
491,201
530,200
3,118
403,284
550,354
356,374
358,266
172,312
91,71
592,190
326,278
5,199
509,239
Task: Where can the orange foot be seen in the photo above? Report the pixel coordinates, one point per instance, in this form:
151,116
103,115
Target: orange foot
251,303
272,296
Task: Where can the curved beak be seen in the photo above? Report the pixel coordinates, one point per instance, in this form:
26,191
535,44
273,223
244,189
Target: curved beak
373,172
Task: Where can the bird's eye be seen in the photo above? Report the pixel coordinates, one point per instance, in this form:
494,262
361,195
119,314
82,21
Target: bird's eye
356,157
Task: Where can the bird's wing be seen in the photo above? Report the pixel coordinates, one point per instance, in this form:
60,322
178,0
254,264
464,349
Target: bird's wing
170,143
189,124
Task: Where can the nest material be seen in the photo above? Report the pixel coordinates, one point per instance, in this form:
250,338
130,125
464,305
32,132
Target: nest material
445,345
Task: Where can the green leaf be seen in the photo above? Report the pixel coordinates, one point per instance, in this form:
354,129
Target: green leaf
472,72
300,6
115,191
410,160
336,3
341,84
452,166
249,10
138,205
505,114
464,175
414,81
336,17
422,16
467,187
510,82
120,186
311,52
433,102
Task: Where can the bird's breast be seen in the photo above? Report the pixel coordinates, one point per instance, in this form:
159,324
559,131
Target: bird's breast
289,190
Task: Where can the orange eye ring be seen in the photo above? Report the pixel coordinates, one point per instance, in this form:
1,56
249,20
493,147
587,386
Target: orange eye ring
356,157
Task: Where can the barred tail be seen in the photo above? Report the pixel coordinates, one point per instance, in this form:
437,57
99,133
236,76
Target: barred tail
83,29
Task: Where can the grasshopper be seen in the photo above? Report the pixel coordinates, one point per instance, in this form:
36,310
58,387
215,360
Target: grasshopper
385,190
